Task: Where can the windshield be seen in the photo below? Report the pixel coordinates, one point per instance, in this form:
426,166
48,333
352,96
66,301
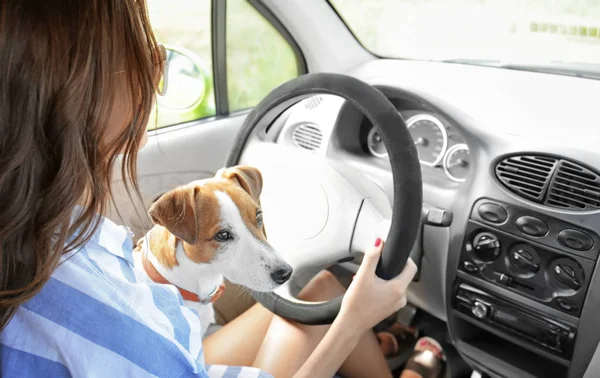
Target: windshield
479,31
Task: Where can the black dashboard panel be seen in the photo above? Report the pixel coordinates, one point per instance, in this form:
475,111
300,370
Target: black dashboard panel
531,269
538,257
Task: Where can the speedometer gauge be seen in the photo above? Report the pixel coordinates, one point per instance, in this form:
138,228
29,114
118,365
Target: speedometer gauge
430,136
456,163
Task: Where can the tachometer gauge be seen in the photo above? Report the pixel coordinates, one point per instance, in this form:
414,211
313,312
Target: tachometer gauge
430,136
375,144
456,163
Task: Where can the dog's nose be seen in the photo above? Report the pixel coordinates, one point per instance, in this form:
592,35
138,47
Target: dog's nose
281,275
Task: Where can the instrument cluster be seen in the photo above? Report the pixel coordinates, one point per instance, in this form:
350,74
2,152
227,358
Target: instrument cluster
438,143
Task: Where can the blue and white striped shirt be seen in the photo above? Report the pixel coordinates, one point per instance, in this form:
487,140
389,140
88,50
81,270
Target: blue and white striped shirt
99,317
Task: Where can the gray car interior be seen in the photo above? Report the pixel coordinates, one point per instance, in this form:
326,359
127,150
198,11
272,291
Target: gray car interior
508,257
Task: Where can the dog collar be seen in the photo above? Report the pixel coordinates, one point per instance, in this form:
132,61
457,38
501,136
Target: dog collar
187,295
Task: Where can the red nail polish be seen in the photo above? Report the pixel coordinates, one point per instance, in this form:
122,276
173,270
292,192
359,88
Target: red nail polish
377,242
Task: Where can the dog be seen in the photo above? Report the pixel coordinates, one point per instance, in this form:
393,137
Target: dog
209,230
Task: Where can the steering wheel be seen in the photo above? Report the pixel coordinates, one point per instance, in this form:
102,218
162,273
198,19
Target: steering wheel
319,210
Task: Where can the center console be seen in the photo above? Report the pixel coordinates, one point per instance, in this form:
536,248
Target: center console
521,284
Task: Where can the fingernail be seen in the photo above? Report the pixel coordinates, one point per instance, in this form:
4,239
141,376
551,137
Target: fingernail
377,242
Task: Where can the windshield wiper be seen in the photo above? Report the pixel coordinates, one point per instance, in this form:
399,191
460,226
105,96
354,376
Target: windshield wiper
583,70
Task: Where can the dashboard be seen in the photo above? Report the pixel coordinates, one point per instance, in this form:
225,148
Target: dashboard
513,157
443,153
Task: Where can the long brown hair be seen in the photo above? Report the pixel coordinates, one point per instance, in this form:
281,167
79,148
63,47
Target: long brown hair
64,64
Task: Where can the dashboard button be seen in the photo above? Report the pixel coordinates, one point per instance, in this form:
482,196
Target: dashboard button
492,213
470,267
486,246
439,217
502,278
567,276
524,259
575,239
566,305
480,310
532,226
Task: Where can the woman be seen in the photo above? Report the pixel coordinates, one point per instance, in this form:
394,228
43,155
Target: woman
77,89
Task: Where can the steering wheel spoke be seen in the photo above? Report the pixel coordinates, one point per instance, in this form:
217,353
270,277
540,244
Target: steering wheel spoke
373,221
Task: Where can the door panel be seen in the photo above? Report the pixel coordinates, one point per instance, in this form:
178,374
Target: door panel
173,157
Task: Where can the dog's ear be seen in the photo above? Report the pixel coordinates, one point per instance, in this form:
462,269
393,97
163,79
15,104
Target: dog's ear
176,211
249,178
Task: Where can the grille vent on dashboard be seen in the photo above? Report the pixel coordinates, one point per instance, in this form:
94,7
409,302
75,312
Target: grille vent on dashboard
574,187
307,136
527,175
551,181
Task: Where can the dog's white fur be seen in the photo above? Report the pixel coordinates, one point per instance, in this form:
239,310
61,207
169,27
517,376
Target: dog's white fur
246,260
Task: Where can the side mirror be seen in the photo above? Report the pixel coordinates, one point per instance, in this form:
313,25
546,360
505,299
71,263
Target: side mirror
190,92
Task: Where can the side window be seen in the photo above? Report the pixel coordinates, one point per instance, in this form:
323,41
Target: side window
257,58
184,27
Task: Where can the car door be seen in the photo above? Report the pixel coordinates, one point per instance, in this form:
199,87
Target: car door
224,56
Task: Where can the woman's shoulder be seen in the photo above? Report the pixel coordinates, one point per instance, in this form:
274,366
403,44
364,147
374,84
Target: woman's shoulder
95,305
72,328
103,276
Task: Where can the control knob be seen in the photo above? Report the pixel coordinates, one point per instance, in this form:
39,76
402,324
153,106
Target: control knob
525,259
486,246
567,276
480,310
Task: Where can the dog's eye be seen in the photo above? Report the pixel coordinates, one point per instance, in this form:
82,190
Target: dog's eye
259,218
223,236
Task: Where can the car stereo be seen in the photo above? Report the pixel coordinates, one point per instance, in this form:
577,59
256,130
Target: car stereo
507,318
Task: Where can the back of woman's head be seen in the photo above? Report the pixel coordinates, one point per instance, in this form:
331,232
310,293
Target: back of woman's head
77,85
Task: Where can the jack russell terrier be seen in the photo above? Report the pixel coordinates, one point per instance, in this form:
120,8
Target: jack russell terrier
207,230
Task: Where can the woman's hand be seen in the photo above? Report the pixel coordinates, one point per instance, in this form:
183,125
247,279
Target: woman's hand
370,299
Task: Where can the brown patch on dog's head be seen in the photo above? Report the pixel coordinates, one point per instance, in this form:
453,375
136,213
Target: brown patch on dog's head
248,209
176,211
250,180
163,245
191,214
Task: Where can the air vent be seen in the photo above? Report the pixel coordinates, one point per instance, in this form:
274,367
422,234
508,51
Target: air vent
550,181
527,175
307,136
313,102
574,187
